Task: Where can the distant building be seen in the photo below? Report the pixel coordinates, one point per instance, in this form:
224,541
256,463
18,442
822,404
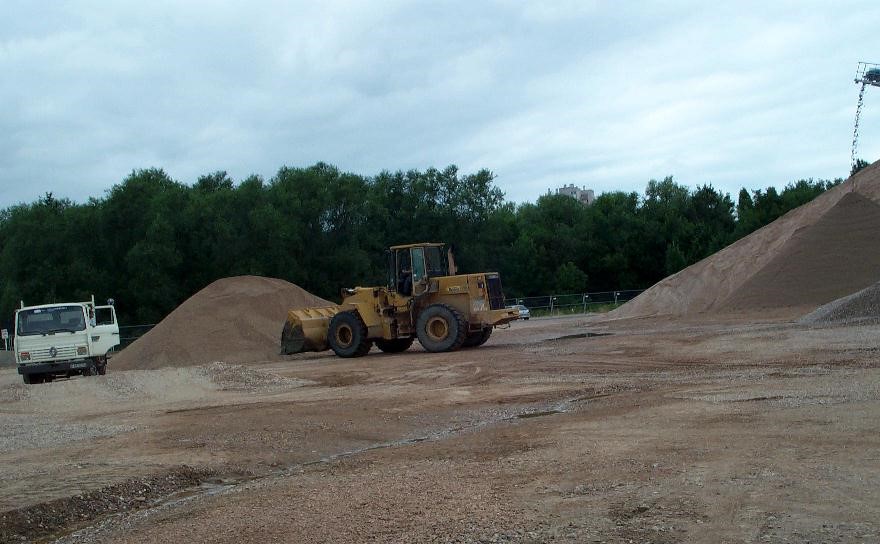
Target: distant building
583,195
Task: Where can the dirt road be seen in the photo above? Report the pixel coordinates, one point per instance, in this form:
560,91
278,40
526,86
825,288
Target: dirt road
564,430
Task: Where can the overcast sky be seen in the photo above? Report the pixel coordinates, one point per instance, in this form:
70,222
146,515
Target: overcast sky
603,94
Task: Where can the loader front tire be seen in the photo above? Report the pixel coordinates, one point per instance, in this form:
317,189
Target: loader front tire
347,335
441,328
477,338
394,346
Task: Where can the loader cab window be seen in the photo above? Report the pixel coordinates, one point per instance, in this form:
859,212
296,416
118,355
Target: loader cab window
410,266
435,262
418,262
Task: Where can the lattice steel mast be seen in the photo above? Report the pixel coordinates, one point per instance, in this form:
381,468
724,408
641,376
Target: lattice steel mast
867,73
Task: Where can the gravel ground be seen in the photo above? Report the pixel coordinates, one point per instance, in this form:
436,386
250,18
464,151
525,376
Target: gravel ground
7,358
736,431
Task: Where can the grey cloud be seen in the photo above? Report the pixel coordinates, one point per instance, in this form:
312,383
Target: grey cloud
542,94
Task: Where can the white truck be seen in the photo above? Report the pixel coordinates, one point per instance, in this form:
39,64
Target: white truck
64,340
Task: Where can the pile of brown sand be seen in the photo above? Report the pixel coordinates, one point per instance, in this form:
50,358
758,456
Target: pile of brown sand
862,307
821,251
234,320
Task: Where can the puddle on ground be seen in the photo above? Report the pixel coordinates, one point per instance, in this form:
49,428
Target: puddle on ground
588,334
543,413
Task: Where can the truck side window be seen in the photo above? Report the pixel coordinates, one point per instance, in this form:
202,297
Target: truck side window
104,316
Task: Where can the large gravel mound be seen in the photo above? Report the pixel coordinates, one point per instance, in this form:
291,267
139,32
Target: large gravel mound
824,261
234,320
862,307
821,251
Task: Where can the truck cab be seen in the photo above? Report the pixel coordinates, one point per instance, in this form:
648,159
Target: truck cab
64,340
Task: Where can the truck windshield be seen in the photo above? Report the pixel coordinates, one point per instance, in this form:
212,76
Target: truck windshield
50,320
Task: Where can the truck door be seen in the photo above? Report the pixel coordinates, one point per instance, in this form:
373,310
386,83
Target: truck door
105,333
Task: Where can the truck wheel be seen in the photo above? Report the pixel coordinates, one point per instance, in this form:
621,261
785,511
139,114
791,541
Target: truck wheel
102,368
347,335
31,379
477,338
394,346
441,328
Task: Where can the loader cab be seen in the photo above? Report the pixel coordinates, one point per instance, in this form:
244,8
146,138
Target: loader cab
411,266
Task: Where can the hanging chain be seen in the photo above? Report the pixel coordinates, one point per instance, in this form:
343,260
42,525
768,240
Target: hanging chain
856,129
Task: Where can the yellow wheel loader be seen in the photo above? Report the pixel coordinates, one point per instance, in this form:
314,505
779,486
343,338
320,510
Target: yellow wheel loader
425,299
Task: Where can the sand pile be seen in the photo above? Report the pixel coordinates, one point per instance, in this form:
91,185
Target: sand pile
821,251
234,320
862,307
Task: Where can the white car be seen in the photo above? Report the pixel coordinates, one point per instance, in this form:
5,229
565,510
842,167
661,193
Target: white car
524,312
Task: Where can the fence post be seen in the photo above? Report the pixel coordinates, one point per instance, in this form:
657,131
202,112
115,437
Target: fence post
615,298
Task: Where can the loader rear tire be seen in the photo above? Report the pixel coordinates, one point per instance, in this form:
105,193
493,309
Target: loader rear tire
477,338
394,346
347,335
441,328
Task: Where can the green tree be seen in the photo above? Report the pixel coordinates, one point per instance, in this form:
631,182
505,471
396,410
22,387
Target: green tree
570,279
675,259
152,241
860,164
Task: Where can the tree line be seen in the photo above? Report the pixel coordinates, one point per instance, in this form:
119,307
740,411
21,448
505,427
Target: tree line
151,241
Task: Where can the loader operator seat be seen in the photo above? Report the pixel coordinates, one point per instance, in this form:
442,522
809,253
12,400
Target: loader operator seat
404,275
406,282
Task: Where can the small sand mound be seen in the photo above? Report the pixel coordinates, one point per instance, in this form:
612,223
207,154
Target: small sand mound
234,320
862,307
812,255
241,378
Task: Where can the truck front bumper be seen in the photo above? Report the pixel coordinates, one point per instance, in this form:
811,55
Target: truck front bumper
73,366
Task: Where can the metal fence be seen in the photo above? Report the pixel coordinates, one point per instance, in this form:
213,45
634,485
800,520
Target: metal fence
575,303
561,304
130,333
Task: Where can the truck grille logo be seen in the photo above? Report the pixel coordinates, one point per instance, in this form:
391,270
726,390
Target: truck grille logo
53,352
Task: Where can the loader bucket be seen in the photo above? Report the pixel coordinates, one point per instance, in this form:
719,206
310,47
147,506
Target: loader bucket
306,330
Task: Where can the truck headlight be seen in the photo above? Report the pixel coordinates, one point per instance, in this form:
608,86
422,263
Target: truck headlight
24,356
82,350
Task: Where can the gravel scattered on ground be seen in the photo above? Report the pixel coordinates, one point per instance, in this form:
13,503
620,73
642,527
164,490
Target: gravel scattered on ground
862,307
